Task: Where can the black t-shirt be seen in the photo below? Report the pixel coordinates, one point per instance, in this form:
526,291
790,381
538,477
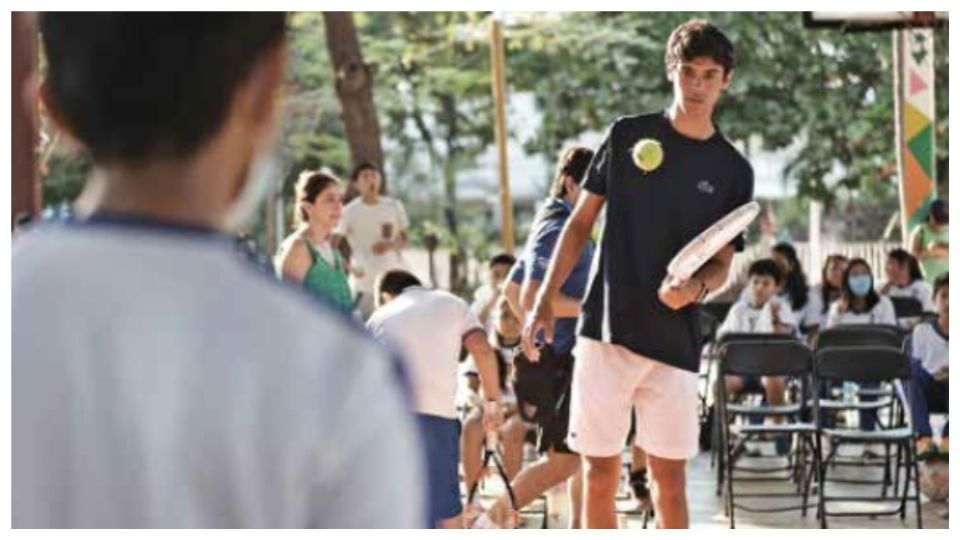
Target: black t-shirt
649,218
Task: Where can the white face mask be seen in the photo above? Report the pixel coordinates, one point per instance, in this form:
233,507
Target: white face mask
262,179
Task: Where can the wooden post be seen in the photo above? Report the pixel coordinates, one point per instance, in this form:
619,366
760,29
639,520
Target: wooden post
499,82
26,186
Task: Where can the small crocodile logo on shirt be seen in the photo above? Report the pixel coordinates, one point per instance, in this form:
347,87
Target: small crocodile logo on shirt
705,187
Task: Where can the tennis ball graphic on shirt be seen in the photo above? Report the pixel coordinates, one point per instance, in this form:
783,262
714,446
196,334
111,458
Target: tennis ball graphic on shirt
647,154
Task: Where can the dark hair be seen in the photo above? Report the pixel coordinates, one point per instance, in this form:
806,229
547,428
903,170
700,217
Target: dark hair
502,258
394,282
698,38
573,163
828,292
903,257
795,281
943,280
310,184
135,86
365,166
872,297
766,267
940,212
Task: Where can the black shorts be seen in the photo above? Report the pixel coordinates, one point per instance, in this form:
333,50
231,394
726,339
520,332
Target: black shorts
552,434
543,396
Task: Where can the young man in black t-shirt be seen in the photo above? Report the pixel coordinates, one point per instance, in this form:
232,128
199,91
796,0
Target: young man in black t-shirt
639,332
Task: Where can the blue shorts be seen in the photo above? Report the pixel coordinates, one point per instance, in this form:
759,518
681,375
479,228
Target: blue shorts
441,442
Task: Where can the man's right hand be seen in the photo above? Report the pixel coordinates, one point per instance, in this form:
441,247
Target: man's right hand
541,318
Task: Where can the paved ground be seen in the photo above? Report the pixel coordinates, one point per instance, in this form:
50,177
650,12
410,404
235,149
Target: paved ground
706,508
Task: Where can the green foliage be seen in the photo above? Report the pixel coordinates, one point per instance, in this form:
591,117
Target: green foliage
828,91
66,175
825,93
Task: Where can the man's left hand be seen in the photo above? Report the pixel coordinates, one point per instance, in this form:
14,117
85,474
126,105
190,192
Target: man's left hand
677,294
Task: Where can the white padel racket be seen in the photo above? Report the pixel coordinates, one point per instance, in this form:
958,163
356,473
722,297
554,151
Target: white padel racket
702,248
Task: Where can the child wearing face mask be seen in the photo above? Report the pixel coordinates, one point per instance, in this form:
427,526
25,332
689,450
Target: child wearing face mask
859,302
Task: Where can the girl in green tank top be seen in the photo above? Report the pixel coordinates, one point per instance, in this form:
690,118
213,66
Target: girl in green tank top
306,256
931,241
329,280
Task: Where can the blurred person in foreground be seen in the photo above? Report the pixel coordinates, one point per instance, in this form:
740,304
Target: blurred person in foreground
159,380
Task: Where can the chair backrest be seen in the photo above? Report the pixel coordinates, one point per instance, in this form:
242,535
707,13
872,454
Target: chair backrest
718,310
905,306
861,335
731,337
861,364
773,357
708,327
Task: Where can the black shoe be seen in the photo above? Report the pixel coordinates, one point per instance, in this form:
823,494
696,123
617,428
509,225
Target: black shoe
638,481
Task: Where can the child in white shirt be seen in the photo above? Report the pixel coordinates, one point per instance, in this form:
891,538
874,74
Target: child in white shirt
761,313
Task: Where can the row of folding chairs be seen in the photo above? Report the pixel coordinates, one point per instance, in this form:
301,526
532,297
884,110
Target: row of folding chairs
869,356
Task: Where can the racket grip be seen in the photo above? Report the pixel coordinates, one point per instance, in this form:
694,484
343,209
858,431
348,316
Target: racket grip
492,436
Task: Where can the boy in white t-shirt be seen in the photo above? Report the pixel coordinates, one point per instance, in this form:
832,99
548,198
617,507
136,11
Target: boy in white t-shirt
429,327
376,229
930,383
761,313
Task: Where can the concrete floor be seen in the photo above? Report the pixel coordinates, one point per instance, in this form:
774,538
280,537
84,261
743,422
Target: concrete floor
706,508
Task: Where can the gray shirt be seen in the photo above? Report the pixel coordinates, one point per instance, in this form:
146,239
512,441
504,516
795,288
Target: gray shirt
159,381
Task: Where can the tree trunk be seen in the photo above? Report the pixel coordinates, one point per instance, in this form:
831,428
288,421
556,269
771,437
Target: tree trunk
354,84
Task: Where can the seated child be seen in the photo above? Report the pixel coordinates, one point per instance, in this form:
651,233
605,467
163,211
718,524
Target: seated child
929,385
761,312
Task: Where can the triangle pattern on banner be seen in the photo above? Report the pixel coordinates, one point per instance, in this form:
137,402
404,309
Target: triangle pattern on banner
915,184
917,84
922,148
913,121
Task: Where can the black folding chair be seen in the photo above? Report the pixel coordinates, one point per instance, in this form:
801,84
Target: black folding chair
766,355
708,333
714,354
864,335
873,401
867,365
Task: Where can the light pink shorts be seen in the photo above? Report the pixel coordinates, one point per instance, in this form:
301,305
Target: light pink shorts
609,380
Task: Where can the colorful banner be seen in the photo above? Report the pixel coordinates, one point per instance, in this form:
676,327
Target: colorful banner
916,138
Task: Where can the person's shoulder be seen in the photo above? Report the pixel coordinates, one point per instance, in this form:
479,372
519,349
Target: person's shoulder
923,327
293,242
440,295
637,121
736,157
738,308
390,202
352,207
